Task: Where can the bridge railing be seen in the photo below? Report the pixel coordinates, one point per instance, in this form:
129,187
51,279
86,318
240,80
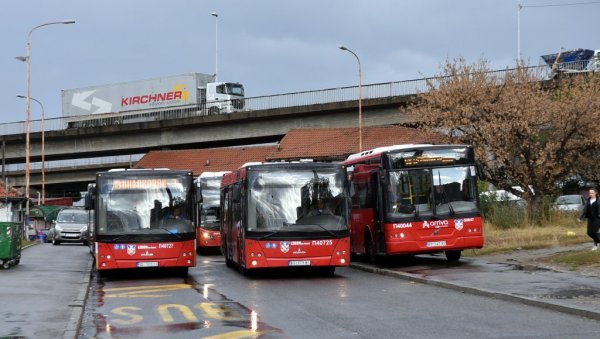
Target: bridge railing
297,99
55,164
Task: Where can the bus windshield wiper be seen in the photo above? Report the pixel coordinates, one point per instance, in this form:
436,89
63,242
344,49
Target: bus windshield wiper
445,196
119,237
321,227
171,232
268,235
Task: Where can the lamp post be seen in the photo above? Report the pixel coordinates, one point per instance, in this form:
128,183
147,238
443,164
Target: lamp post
216,15
343,48
28,98
43,199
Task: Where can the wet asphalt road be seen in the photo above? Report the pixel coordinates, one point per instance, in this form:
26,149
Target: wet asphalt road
39,296
215,301
38,299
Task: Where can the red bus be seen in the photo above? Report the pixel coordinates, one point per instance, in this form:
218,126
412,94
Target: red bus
410,199
286,215
143,218
208,211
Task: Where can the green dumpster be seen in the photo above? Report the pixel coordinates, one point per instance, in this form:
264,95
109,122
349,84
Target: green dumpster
11,231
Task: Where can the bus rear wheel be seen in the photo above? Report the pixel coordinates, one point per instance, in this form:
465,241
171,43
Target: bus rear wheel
453,256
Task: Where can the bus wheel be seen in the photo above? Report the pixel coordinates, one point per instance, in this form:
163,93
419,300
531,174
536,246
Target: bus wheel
370,249
327,271
453,256
228,262
243,271
183,271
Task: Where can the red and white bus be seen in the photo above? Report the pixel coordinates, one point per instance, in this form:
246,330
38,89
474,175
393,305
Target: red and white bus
285,215
143,218
208,211
409,199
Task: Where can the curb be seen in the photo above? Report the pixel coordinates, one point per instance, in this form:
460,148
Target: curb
78,304
478,291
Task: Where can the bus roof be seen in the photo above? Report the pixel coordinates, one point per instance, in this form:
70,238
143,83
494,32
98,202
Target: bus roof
213,174
379,150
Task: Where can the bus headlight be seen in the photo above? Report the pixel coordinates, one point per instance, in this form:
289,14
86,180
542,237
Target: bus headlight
207,236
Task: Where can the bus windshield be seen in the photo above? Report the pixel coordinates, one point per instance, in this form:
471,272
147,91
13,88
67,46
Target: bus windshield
144,205
297,201
210,213
426,192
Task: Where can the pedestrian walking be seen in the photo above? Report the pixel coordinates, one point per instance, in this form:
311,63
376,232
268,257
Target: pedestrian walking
591,211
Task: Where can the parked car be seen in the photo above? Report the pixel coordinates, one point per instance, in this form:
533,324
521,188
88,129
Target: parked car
71,227
569,203
502,196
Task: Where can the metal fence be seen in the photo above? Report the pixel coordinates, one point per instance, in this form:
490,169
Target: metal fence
297,99
55,164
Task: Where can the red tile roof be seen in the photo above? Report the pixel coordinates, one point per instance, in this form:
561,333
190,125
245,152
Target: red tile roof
10,192
338,143
205,160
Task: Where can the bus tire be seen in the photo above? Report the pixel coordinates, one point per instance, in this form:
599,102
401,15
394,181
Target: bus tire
183,271
243,271
370,249
453,256
328,271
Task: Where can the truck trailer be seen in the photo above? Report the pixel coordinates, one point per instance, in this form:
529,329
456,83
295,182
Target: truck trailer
191,94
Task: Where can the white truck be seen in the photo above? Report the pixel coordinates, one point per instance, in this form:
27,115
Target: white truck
164,98
573,61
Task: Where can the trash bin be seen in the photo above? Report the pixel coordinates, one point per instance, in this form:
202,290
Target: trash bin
11,234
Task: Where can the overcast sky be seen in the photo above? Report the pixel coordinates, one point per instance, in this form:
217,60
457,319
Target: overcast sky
271,46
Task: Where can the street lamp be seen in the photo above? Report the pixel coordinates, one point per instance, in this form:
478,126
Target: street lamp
28,61
343,48
216,15
43,200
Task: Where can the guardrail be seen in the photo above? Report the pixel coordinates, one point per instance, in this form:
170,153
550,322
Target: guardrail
297,99
55,164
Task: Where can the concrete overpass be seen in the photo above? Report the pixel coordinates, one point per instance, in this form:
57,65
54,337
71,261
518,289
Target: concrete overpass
239,128
266,119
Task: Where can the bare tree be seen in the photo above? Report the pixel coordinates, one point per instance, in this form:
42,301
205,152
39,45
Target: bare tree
527,133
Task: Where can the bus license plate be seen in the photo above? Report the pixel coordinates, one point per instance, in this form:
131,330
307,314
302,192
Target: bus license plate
299,263
147,264
435,244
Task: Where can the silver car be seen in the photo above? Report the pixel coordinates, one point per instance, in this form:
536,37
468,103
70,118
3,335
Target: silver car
569,203
71,226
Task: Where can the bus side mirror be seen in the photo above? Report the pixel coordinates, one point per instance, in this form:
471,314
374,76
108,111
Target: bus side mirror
480,173
198,195
89,200
235,193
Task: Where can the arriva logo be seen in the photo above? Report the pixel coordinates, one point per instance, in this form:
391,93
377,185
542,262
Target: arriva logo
435,223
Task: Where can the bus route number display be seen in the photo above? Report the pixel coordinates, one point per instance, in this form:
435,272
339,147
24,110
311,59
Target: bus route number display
423,161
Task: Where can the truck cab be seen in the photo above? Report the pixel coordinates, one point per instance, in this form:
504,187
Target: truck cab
221,97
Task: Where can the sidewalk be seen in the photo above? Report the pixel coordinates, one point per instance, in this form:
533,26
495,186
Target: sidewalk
43,296
507,277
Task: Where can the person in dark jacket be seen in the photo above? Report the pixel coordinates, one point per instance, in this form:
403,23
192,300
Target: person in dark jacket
591,211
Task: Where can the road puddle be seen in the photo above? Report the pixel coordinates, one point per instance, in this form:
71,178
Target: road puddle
174,307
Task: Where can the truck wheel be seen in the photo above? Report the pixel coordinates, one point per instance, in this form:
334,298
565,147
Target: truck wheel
213,111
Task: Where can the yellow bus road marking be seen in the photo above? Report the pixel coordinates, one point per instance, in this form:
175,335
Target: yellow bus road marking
143,291
236,335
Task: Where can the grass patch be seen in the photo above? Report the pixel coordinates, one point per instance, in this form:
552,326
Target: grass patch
560,230
576,260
